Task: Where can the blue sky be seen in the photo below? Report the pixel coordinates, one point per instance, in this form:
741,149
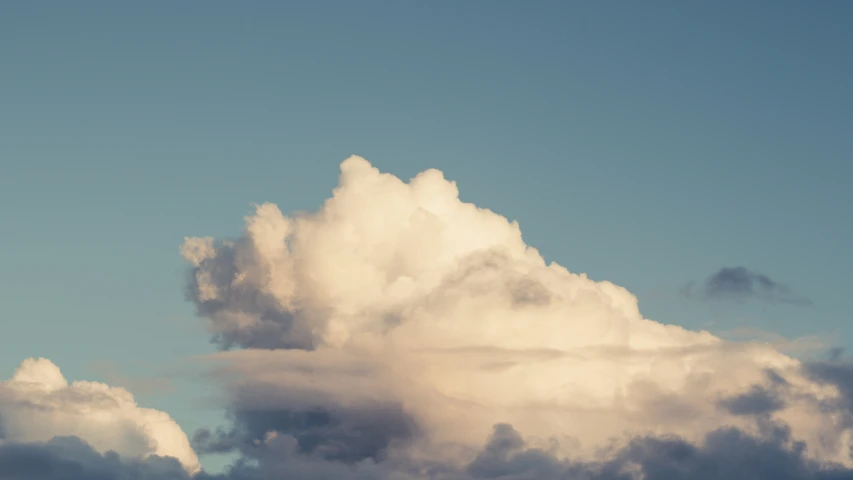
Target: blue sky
645,143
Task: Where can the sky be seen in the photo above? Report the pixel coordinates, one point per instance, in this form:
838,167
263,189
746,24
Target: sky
696,154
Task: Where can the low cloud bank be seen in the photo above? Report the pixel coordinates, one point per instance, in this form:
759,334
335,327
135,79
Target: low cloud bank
38,404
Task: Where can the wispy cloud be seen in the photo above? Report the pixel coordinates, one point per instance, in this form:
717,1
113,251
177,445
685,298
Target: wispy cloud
799,346
139,385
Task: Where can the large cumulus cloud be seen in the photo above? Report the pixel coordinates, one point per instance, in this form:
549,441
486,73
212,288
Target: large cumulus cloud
38,404
392,329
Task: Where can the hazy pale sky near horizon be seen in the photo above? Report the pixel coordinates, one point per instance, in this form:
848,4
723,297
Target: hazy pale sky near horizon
645,143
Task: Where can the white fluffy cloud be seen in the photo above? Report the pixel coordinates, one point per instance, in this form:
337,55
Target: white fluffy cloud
38,404
399,294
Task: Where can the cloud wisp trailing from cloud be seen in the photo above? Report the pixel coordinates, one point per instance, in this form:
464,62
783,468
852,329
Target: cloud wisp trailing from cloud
387,333
741,284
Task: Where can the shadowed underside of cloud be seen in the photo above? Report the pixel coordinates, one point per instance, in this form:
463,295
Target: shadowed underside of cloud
726,453
338,434
69,458
740,284
723,454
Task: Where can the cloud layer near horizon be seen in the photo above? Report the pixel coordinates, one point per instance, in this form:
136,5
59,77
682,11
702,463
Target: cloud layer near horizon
38,404
397,325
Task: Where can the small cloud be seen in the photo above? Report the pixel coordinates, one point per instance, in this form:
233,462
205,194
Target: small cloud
70,457
741,284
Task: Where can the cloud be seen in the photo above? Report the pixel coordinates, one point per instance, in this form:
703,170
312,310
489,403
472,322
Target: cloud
757,401
70,458
398,333
338,434
38,404
390,330
740,284
723,454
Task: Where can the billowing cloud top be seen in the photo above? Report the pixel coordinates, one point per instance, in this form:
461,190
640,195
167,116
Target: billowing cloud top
38,404
400,322
382,251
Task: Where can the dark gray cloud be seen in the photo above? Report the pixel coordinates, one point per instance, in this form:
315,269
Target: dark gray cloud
758,401
346,435
725,454
740,284
69,458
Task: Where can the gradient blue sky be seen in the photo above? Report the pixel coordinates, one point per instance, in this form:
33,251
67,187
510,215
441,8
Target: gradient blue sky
646,143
